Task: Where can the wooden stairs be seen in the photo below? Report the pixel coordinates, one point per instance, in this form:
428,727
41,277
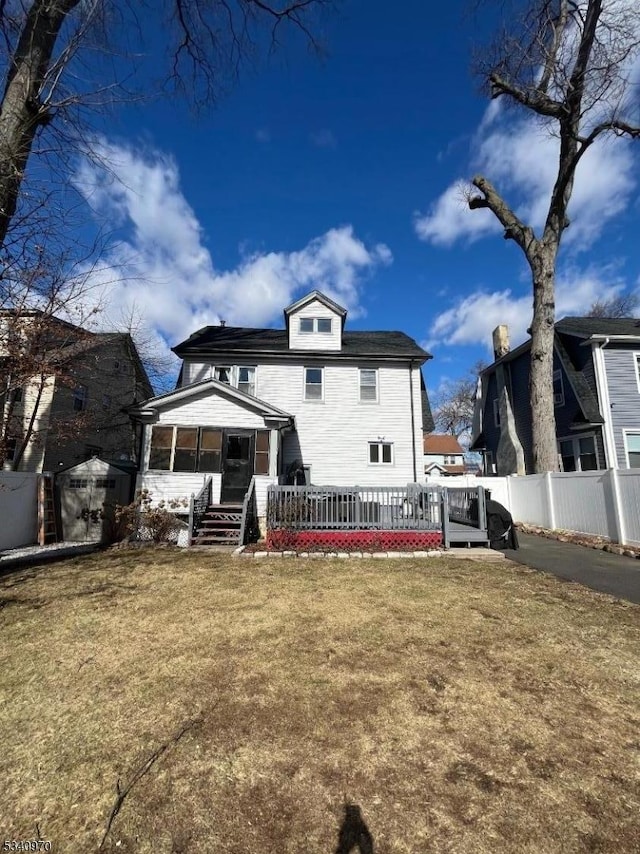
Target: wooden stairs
220,525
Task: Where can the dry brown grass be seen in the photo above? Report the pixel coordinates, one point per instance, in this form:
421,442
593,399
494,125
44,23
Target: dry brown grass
464,707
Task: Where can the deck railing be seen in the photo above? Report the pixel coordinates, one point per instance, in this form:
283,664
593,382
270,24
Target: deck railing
416,507
249,530
198,506
466,506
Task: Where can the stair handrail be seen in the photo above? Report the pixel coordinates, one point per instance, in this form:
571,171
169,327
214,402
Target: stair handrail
198,505
248,519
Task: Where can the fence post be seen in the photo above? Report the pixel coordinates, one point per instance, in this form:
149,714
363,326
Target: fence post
190,537
618,507
444,511
550,507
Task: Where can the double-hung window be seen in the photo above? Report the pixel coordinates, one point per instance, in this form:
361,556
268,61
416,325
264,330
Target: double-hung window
247,380
381,453
578,453
368,385
239,376
313,384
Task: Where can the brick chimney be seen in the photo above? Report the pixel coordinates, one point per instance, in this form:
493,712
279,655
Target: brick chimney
500,341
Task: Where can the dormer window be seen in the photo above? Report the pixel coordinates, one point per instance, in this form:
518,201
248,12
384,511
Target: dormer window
223,375
315,324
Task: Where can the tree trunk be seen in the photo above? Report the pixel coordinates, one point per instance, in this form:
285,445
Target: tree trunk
543,422
21,112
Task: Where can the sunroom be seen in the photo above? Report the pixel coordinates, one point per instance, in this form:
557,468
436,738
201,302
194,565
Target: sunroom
208,430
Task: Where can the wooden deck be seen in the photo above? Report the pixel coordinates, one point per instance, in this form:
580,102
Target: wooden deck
459,514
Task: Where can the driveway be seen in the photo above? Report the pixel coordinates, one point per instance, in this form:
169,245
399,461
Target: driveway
607,573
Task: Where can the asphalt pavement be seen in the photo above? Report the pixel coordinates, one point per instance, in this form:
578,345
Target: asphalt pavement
608,573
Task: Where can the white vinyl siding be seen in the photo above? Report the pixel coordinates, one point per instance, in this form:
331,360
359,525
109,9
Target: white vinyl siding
335,445
308,328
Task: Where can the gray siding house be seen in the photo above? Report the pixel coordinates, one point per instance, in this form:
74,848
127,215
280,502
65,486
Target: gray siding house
596,377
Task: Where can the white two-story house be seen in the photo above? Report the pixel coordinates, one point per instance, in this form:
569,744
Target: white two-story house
310,402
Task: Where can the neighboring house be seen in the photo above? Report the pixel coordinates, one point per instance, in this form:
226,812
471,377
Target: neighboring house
65,393
442,455
310,402
596,398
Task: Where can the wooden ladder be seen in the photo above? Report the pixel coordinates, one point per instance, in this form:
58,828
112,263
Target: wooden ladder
47,532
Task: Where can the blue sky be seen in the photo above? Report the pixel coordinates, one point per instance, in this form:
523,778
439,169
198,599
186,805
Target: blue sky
344,174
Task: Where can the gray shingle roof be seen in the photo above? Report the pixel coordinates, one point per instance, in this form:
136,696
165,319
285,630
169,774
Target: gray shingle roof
585,327
238,339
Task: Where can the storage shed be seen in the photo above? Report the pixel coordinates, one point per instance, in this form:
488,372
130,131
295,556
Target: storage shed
87,495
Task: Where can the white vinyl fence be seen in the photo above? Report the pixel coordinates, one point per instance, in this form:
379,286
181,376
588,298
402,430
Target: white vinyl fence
605,503
18,509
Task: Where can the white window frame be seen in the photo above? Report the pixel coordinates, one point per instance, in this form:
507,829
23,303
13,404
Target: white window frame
379,444
576,448
315,326
558,375
636,366
234,376
304,384
496,411
628,431
376,385
229,368
253,368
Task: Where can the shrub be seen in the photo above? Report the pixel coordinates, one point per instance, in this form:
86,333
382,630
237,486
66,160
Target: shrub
140,520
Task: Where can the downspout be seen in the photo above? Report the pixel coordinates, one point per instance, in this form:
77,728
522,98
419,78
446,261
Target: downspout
413,424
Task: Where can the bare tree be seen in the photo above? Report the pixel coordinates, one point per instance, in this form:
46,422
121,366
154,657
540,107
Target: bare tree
570,64
625,305
52,47
454,404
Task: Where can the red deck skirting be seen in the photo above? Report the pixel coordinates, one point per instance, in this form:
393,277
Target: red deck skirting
353,541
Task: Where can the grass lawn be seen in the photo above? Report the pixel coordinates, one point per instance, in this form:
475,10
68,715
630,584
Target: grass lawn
239,704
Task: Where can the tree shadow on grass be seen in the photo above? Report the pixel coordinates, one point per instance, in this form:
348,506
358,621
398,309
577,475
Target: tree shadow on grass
354,836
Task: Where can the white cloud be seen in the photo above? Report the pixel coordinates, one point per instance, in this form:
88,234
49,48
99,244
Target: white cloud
520,156
472,320
165,271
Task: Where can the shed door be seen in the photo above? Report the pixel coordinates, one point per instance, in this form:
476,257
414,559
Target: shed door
80,521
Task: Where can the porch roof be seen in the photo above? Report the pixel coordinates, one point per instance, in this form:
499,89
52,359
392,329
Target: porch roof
148,407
